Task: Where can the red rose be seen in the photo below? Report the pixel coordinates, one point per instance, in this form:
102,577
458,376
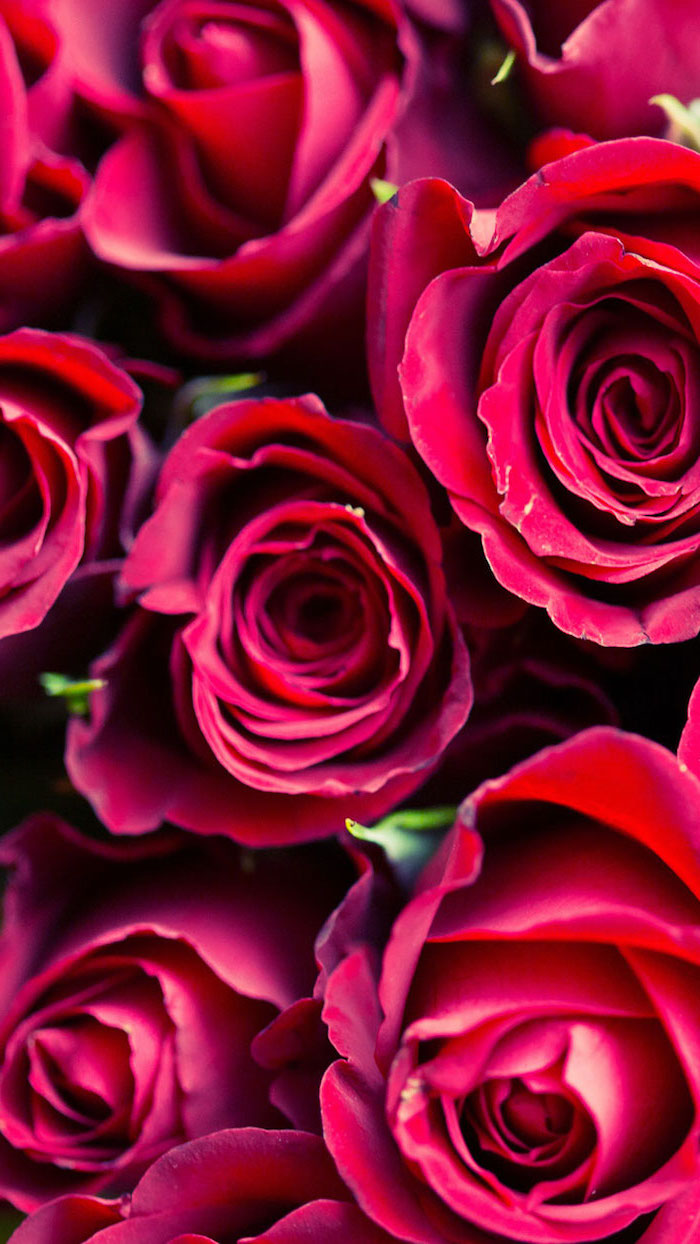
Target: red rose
294,618
131,985
551,378
581,62
532,687
524,1063
43,256
72,456
271,1187
243,200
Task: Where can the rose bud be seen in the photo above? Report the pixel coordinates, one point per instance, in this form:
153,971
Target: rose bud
275,1187
520,1051
550,378
131,984
294,656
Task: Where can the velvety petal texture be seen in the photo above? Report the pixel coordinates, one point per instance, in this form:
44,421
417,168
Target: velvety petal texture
293,612
132,982
522,1064
550,378
271,1187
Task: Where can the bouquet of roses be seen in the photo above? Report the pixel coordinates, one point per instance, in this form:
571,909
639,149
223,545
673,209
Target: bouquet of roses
350,622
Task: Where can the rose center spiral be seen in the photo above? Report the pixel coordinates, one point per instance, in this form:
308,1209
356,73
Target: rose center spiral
206,54
524,1133
536,1118
320,610
634,412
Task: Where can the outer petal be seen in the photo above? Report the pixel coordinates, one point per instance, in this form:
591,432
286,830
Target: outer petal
593,81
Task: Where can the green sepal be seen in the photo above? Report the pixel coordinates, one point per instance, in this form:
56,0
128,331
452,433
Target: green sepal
382,190
408,837
205,392
406,820
503,73
683,121
75,692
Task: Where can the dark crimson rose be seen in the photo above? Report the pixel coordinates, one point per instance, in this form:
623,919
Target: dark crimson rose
43,256
294,659
521,1061
242,200
131,984
551,378
72,463
532,687
267,1187
581,64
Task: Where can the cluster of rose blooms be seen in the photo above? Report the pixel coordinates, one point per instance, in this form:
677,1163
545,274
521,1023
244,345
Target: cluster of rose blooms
350,476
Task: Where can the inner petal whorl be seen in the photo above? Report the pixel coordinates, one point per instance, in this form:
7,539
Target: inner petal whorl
205,54
526,1133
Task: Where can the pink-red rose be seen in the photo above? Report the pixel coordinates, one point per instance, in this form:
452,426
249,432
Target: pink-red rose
294,659
242,199
522,1062
73,464
43,255
551,378
131,984
269,1187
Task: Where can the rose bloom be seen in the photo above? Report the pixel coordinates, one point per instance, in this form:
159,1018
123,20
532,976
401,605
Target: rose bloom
74,465
581,66
43,256
269,120
294,660
520,1051
131,984
267,1186
551,377
242,199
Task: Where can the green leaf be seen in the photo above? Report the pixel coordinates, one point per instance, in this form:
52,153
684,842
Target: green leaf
504,72
683,121
75,692
382,190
